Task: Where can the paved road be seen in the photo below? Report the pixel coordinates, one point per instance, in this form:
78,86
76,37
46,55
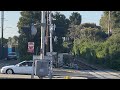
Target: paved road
73,74
61,73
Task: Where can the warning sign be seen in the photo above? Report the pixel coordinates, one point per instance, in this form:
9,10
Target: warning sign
31,47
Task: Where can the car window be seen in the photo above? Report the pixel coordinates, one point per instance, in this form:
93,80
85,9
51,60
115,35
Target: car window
30,63
24,64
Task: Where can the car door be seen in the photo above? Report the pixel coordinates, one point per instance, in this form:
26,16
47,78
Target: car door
29,68
22,68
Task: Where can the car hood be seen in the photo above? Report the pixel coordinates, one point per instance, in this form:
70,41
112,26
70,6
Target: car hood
8,66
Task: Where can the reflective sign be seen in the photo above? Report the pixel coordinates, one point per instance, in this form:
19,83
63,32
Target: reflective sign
31,47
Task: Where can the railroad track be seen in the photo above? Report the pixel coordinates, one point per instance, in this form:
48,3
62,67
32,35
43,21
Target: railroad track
102,73
84,66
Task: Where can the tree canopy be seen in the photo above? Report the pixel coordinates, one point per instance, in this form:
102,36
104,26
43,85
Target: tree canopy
75,18
114,20
26,19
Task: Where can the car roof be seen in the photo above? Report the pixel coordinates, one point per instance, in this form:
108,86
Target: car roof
25,61
28,61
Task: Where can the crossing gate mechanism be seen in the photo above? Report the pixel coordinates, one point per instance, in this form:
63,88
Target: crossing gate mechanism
41,68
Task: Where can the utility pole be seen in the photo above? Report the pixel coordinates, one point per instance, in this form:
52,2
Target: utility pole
109,24
2,26
51,46
43,25
51,31
47,31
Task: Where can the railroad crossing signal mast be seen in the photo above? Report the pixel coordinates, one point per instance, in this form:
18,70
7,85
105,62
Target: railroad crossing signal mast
51,46
43,27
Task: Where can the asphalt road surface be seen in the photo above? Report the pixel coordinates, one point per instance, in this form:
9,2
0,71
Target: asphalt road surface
73,74
62,73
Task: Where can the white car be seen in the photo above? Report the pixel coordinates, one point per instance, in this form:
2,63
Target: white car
24,67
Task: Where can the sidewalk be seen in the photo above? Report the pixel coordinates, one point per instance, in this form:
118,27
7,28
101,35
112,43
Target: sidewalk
6,76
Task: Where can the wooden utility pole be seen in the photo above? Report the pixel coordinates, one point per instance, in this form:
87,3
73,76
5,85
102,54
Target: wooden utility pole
2,26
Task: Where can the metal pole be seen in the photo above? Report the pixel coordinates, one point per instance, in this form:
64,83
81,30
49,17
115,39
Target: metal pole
51,30
31,40
33,66
51,48
42,34
110,22
47,44
2,23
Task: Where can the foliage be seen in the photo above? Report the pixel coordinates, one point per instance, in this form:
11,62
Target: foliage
13,40
67,59
104,52
86,30
86,40
75,18
4,41
26,57
67,47
26,19
114,20
62,24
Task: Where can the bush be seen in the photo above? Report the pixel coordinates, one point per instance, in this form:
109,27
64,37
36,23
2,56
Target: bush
99,51
115,64
67,59
26,57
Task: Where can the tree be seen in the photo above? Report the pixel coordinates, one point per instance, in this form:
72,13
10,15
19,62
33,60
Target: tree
4,41
75,18
114,22
15,40
86,30
26,19
62,24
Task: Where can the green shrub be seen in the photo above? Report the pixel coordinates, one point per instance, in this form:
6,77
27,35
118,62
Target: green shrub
26,57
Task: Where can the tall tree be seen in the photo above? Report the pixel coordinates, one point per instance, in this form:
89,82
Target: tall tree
114,20
4,41
75,18
15,40
84,30
26,19
62,24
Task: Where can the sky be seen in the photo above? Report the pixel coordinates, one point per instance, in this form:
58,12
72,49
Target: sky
12,18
